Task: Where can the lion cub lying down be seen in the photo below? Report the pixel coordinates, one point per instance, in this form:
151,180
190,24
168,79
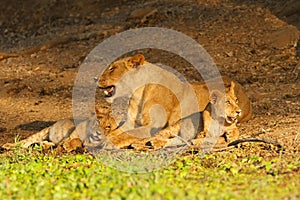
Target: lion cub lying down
64,133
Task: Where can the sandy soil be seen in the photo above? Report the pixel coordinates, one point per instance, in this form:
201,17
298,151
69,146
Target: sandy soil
254,42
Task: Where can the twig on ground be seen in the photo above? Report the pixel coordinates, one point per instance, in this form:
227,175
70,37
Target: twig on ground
243,140
233,144
223,149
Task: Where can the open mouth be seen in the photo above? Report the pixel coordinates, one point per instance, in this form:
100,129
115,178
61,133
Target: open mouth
95,138
230,120
109,91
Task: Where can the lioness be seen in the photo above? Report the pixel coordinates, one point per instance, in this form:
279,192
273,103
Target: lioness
153,93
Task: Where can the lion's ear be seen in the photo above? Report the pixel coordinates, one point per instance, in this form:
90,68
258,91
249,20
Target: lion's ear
214,97
137,60
232,85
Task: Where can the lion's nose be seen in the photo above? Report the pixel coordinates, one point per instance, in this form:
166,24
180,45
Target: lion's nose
238,112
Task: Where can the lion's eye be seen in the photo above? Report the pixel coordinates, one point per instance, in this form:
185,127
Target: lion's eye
236,100
228,102
111,68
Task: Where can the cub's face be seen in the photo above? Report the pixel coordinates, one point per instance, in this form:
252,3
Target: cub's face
232,110
110,77
100,128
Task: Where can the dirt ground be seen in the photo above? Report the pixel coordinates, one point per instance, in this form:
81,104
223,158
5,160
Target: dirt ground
254,42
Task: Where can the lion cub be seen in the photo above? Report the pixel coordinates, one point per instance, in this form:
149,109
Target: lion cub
68,135
62,133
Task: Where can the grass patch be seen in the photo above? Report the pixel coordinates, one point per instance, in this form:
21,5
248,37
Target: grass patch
225,175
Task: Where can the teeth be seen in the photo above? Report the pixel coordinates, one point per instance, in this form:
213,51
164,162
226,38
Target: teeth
106,92
111,89
230,119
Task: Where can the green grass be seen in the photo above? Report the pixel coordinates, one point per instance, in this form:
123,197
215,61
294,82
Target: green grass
225,175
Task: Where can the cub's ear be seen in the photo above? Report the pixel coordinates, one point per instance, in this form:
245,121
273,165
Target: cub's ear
215,96
232,85
137,60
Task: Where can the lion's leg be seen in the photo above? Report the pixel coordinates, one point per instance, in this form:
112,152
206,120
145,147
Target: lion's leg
231,133
206,121
71,144
61,130
121,139
212,132
161,139
228,136
75,136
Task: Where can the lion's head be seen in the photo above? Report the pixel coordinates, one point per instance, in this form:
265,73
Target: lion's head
232,110
116,71
100,127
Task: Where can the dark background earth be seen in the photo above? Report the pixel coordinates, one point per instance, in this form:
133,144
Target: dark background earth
255,42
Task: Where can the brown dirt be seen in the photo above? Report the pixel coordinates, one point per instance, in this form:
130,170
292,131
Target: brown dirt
254,42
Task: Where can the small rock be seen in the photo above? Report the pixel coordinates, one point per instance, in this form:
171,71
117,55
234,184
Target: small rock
142,13
33,55
2,129
229,54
